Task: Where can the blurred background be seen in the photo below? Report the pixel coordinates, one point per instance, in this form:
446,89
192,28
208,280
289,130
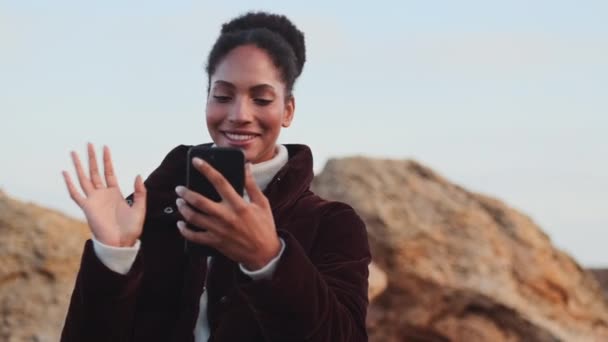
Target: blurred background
506,98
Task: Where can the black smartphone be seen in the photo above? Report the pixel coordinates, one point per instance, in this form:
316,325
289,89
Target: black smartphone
230,162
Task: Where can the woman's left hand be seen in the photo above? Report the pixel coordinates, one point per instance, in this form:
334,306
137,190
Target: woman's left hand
244,232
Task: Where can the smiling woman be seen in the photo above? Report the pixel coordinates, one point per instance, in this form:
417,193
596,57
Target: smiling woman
291,265
248,103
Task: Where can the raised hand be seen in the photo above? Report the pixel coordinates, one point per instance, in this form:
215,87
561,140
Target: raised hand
111,219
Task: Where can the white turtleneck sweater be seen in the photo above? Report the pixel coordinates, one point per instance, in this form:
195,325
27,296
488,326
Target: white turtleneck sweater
120,259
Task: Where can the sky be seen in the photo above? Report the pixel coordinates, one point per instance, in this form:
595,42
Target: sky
506,98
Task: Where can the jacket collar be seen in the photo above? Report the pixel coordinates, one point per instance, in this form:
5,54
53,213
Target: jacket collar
292,180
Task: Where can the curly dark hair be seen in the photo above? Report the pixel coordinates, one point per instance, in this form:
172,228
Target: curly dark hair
273,33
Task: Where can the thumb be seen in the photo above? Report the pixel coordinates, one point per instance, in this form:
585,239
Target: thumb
139,196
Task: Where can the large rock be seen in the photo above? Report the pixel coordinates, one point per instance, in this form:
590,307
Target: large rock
377,281
461,266
601,274
39,256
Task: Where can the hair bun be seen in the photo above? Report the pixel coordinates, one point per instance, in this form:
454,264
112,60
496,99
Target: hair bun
276,23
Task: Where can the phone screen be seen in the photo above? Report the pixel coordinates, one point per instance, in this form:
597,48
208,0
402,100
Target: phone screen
230,162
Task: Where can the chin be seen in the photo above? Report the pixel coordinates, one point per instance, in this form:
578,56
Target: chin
249,157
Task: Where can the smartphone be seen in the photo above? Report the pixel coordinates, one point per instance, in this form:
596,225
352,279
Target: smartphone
230,162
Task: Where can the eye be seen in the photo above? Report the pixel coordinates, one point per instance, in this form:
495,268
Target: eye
262,102
222,99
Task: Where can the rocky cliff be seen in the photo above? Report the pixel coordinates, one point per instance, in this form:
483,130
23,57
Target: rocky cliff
601,274
461,266
39,256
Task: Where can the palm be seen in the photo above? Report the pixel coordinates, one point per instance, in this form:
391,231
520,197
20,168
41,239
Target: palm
111,219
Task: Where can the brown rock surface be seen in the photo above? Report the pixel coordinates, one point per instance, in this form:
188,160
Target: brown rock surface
461,266
601,274
377,281
39,256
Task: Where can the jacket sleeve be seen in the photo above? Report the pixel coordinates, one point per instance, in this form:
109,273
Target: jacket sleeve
103,302
322,297
118,259
102,307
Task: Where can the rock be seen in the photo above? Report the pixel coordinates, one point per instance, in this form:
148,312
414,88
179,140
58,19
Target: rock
601,274
461,266
39,257
377,281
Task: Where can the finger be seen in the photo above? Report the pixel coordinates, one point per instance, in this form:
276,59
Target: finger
85,183
202,238
200,202
93,169
219,182
253,190
74,194
195,218
108,168
139,195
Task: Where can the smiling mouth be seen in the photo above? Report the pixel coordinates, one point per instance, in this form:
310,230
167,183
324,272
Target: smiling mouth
239,136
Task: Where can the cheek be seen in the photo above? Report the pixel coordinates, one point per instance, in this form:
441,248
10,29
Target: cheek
213,115
273,120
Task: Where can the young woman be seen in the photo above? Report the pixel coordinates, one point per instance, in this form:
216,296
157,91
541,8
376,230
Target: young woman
292,266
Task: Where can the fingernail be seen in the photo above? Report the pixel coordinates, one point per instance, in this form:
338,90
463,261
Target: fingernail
180,202
197,161
181,225
180,190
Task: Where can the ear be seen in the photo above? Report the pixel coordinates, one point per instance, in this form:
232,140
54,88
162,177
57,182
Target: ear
290,108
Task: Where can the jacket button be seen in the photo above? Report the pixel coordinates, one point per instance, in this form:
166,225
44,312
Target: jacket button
168,210
224,300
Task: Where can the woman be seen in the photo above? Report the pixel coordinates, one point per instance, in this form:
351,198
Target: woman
292,266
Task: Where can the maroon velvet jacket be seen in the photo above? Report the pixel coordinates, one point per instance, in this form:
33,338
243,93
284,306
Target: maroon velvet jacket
318,291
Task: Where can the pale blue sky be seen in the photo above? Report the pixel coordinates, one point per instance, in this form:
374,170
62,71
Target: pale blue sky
506,98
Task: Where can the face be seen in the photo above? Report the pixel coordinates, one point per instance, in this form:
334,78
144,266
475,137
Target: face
247,105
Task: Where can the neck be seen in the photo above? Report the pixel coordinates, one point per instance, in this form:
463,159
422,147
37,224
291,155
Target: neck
265,171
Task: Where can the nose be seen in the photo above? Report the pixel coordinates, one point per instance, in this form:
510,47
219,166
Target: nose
240,111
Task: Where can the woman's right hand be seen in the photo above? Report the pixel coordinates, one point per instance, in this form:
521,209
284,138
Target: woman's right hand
111,219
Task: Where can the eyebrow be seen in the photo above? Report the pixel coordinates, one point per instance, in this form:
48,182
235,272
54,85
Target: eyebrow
255,88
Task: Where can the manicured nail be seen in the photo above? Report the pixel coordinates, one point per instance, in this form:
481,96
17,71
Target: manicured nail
180,202
181,225
180,190
196,161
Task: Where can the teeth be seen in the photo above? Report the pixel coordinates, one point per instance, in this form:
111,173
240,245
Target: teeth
239,137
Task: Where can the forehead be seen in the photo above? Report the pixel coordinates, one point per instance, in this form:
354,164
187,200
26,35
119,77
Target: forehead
247,66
